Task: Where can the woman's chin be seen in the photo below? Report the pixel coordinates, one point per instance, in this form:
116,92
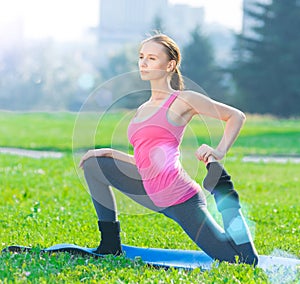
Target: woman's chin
144,77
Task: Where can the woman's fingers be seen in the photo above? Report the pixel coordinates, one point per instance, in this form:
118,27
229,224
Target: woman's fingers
87,155
82,162
95,153
204,152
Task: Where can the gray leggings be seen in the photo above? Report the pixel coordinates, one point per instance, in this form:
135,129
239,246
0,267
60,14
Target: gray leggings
192,215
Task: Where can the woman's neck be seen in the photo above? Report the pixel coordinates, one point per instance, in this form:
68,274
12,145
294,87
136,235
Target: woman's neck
160,91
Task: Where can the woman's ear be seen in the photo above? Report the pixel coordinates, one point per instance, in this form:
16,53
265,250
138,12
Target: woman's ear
171,66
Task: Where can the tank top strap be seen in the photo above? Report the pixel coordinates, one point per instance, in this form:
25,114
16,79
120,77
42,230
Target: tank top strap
171,99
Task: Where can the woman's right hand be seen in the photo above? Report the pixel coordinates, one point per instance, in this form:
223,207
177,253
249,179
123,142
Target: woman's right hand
103,152
207,154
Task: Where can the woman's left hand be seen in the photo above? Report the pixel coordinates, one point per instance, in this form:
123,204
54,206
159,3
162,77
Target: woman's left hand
204,151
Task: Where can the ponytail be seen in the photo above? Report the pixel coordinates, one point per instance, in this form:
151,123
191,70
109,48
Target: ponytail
177,82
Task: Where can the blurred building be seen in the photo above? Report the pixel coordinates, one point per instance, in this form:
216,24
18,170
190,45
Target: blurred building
128,21
181,19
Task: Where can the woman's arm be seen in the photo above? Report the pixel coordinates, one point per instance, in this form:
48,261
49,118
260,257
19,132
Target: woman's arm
107,152
233,117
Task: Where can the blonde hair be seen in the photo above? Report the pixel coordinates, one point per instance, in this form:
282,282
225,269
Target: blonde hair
173,52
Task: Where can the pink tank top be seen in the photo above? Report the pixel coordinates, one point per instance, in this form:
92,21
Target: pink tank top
156,150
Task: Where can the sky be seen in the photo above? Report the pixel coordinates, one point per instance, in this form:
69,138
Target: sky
56,19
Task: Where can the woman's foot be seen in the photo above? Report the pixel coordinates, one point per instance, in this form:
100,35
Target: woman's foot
110,238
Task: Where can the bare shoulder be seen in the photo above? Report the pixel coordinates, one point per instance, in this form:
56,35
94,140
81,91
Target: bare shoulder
192,95
202,104
194,99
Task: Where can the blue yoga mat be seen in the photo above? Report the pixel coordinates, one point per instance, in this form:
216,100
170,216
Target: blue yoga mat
177,258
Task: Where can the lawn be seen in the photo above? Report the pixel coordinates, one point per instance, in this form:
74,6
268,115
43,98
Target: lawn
45,201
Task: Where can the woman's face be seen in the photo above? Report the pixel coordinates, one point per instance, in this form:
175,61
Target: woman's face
153,61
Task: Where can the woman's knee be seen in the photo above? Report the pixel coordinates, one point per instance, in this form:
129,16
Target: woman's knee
94,166
93,171
90,164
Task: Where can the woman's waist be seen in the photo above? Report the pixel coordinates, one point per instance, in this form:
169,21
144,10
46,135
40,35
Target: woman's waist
169,180
157,171
157,160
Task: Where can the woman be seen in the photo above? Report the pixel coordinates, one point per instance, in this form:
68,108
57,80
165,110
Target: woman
154,177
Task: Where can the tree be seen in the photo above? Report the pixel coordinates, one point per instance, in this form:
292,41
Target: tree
267,69
158,24
198,65
125,60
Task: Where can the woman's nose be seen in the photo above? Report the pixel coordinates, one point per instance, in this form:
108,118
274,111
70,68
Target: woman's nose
143,62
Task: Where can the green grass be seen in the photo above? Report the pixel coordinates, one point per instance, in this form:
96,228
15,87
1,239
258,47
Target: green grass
45,202
62,131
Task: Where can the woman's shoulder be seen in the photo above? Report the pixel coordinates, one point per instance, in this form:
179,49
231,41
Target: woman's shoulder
190,95
196,101
188,100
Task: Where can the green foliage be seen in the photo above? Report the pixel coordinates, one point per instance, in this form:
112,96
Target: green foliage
121,62
199,65
45,202
267,67
158,24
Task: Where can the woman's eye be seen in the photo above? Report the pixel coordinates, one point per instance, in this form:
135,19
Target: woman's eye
152,58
